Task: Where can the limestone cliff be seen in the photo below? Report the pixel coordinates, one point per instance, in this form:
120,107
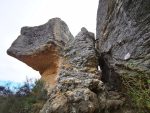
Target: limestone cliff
123,41
69,65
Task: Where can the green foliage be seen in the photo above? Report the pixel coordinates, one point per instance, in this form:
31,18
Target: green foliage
39,91
25,100
137,86
148,81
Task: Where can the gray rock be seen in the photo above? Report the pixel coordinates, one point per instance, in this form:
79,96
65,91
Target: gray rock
78,83
123,31
81,52
79,88
41,47
34,39
69,66
123,42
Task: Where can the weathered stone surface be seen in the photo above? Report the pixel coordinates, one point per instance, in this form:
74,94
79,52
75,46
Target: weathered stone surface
69,66
79,88
78,80
41,47
81,53
123,40
123,34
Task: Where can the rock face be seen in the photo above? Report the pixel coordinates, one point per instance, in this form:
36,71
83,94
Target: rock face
78,78
123,41
40,47
79,88
123,34
69,65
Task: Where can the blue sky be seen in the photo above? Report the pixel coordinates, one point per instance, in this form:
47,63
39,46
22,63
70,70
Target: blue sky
15,14
10,84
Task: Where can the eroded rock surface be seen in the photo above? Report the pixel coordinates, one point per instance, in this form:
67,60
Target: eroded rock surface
123,40
78,78
41,48
70,65
79,88
123,33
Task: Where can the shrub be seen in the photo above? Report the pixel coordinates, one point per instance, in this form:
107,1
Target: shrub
29,98
137,86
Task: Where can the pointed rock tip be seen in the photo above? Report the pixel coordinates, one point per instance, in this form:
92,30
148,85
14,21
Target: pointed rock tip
83,29
55,19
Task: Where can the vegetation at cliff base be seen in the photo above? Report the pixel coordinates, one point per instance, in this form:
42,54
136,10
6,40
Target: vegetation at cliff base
138,90
28,98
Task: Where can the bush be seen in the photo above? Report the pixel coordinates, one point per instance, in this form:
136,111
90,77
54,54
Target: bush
29,98
137,86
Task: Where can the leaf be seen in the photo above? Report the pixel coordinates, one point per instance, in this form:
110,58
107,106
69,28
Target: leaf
148,81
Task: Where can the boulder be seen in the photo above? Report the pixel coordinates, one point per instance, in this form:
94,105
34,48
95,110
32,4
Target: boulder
41,47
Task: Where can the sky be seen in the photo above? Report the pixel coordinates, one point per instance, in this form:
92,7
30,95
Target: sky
15,14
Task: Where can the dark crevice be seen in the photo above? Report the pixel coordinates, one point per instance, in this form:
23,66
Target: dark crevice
110,78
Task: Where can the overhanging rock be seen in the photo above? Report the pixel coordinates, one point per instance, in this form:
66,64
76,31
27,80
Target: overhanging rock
70,64
41,48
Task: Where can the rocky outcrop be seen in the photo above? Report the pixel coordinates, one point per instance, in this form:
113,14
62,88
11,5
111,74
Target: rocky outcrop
79,88
123,41
123,31
78,78
41,48
69,65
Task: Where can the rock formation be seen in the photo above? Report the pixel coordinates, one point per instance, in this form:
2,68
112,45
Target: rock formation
69,65
78,78
123,31
123,34
41,48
